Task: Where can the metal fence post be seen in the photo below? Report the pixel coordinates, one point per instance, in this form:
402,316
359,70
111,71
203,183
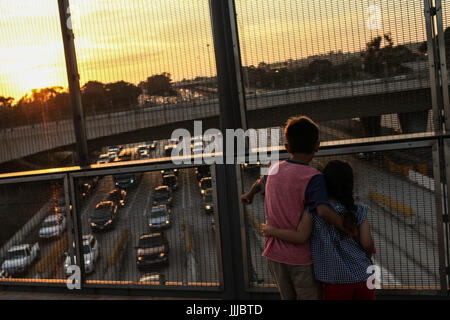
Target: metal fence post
77,229
442,64
439,178
441,114
74,83
232,116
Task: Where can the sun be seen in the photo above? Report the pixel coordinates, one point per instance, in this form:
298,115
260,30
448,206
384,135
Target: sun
31,67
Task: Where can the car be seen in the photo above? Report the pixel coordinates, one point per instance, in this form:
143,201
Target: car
153,277
118,196
85,190
125,155
91,252
171,181
162,195
52,227
205,183
60,205
142,149
144,155
152,145
104,216
19,258
159,217
125,180
202,172
169,171
93,181
103,158
168,149
249,166
112,156
113,149
4,274
208,201
152,250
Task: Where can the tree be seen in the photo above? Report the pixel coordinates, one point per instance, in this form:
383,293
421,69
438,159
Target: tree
94,97
388,60
46,104
6,102
320,70
158,85
121,93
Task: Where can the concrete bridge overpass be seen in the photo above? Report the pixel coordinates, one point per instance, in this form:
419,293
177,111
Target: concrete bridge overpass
360,99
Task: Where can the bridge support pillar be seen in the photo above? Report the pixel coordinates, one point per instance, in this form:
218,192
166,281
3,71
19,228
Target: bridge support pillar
413,122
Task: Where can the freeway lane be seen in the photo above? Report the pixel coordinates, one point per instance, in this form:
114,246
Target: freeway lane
187,208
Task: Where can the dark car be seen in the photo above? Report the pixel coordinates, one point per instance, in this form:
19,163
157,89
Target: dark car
202,172
118,196
60,205
168,149
171,181
251,166
125,180
104,216
93,181
152,250
205,183
85,190
208,201
159,218
152,145
169,171
162,195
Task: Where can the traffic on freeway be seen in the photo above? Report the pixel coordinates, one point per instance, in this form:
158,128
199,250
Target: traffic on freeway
152,227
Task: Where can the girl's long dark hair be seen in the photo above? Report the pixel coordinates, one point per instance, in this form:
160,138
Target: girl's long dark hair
339,180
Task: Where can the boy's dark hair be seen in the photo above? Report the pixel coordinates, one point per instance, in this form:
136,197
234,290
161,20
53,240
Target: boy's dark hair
302,134
339,181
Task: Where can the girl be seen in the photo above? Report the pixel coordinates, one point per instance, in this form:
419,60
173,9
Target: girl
340,263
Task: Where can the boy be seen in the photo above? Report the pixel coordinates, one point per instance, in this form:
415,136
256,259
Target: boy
293,187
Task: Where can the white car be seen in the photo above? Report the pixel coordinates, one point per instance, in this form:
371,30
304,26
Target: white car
103,158
53,226
91,251
141,149
112,156
19,258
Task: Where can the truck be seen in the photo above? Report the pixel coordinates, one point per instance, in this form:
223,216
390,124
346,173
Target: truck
19,258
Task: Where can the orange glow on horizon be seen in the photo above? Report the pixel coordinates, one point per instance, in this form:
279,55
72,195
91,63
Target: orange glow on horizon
132,39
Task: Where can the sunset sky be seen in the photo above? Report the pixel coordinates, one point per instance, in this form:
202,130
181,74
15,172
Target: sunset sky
133,39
